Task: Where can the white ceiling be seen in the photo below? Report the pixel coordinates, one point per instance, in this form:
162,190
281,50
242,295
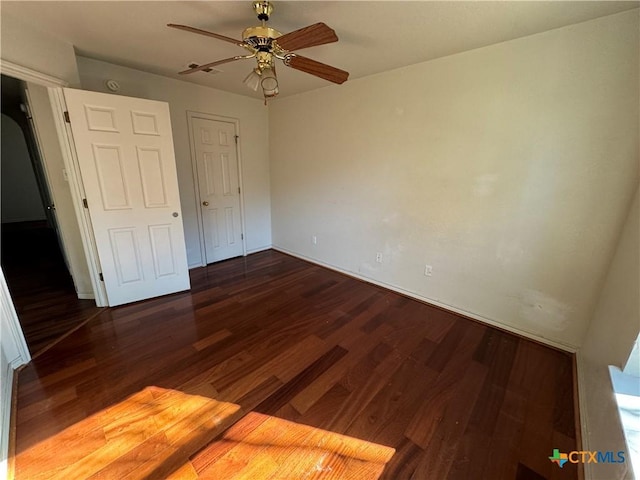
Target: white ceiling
375,36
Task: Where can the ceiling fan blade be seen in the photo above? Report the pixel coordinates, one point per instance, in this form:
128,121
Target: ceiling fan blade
316,34
204,32
318,69
209,65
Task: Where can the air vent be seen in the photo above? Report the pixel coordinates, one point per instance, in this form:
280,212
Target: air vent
210,70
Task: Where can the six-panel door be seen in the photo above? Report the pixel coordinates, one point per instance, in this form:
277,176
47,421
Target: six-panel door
125,152
218,181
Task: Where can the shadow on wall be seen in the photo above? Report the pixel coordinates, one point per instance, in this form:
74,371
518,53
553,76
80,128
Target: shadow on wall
21,200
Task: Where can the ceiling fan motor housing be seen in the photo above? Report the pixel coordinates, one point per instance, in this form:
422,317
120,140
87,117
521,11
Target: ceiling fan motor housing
260,38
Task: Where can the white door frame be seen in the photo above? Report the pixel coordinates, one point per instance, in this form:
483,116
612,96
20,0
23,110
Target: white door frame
70,158
54,86
194,166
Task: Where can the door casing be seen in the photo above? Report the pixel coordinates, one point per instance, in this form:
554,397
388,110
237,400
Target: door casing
54,86
65,136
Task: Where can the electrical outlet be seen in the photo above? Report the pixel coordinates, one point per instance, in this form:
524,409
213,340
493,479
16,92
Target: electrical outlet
314,240
428,270
379,257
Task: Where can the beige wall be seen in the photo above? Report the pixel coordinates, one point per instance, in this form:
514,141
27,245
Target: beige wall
508,168
616,322
609,340
22,45
183,97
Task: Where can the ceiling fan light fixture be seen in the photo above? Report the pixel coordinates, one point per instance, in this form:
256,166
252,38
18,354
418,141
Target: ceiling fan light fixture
266,45
269,82
271,93
252,80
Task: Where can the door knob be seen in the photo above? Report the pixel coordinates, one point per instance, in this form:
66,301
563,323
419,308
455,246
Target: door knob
205,203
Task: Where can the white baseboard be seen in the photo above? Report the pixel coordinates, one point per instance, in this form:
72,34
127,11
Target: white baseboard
494,323
249,252
259,249
5,409
86,296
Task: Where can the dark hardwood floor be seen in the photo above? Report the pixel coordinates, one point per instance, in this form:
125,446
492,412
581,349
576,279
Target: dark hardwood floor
274,368
40,285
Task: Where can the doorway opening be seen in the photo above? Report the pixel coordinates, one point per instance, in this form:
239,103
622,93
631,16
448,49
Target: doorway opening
31,254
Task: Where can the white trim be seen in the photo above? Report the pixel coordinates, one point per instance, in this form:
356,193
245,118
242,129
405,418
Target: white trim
37,127
29,75
590,433
552,343
196,190
259,249
196,184
54,84
15,352
5,408
583,412
14,336
65,137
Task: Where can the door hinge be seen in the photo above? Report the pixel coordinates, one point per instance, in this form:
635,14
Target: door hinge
26,110
242,236
101,277
85,203
238,189
66,117
236,137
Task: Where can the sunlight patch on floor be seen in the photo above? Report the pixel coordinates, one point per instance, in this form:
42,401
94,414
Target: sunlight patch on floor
148,435
262,446
169,434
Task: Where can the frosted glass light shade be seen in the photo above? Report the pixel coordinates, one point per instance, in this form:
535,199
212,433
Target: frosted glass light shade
269,83
252,81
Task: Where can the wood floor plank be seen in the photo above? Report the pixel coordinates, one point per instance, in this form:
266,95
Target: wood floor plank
443,445
133,458
385,419
357,348
360,398
216,450
443,389
290,389
211,339
273,368
284,366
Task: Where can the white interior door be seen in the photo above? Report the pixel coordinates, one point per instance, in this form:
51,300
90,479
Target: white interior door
125,154
218,181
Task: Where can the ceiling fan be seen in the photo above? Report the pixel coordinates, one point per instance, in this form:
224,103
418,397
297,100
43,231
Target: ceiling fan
266,44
